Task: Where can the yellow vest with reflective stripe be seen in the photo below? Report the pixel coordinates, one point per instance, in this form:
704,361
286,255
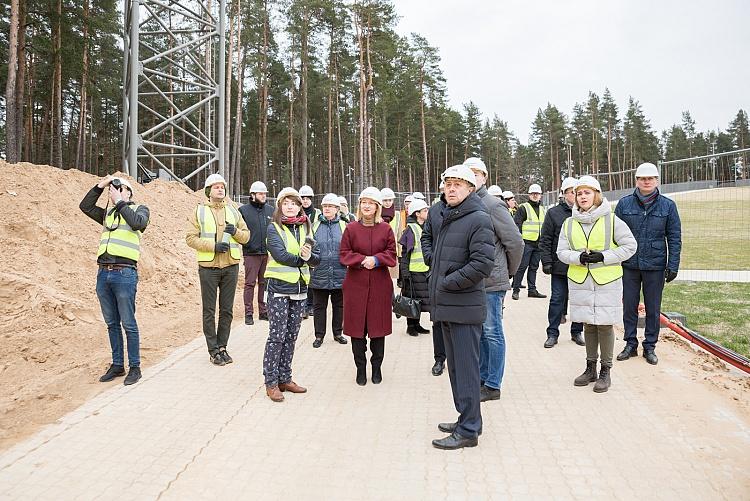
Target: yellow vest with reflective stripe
532,226
121,240
416,260
207,223
279,271
600,238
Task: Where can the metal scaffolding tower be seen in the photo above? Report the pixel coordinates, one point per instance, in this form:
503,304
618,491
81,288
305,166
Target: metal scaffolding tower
173,92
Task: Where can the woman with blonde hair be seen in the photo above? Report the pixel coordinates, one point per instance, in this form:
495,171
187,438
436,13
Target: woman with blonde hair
368,248
593,243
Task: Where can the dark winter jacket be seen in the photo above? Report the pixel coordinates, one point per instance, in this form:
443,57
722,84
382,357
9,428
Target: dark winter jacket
520,216
508,243
553,221
657,229
413,283
463,254
136,219
330,273
256,216
277,250
431,228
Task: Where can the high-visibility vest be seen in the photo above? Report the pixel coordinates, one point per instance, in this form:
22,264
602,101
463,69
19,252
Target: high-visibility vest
207,224
282,272
118,238
416,260
532,226
395,223
600,238
317,224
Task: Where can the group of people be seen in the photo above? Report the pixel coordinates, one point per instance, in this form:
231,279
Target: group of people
458,256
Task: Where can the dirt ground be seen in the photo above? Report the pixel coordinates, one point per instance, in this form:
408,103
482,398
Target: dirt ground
54,341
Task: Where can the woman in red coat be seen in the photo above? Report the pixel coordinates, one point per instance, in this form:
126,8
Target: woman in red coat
368,248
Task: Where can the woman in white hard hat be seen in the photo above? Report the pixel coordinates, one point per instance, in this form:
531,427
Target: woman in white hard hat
412,268
344,212
368,248
593,243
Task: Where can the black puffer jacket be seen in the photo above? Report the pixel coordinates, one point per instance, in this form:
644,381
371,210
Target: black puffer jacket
431,228
277,250
553,221
414,284
330,273
462,256
256,216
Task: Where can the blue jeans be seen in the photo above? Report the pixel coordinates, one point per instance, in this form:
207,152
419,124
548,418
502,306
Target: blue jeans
116,291
530,261
558,304
652,282
492,343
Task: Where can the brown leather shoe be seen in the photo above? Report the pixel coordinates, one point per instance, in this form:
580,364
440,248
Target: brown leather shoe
274,393
292,387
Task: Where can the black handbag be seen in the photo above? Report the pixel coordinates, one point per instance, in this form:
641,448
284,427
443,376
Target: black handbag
405,306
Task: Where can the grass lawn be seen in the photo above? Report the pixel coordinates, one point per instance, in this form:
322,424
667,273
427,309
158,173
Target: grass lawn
717,310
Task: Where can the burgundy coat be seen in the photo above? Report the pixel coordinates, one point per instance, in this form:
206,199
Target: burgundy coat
367,293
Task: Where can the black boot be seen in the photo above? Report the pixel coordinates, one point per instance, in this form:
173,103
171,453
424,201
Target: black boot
377,347
412,331
422,330
361,376
577,338
359,347
588,376
604,381
113,372
550,342
377,375
628,352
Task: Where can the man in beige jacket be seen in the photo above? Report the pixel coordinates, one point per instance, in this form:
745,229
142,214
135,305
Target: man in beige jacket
216,230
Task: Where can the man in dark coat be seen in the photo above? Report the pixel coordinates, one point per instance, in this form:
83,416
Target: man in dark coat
461,256
529,218
434,221
551,265
257,215
656,226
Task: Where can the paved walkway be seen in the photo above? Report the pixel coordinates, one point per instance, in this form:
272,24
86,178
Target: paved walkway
713,276
190,430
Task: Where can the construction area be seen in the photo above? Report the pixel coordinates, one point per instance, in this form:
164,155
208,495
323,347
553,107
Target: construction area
191,430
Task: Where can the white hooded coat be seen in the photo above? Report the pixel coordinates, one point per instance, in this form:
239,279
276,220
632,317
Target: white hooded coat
590,302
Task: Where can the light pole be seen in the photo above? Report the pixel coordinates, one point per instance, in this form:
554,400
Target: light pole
273,183
350,175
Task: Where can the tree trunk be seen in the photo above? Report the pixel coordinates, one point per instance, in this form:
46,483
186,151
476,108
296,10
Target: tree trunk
304,118
264,97
11,107
237,150
424,132
57,159
82,112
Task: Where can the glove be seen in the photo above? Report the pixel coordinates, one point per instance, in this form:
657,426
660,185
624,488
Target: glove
230,228
670,275
399,283
221,247
547,269
584,258
596,257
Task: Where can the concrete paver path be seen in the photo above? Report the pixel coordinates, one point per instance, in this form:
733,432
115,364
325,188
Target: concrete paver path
190,430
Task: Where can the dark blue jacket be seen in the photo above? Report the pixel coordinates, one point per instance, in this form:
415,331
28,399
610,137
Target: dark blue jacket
256,216
657,230
277,249
330,273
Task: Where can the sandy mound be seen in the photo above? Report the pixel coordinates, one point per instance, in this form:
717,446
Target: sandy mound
54,339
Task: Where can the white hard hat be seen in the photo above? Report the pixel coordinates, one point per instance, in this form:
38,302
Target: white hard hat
212,180
417,195
387,194
409,199
589,181
495,190
476,163
373,194
331,199
125,182
342,201
647,170
288,192
258,187
568,182
507,194
306,191
460,172
416,206
442,185
535,188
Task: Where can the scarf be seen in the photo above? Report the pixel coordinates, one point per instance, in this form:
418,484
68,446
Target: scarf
389,213
647,200
294,220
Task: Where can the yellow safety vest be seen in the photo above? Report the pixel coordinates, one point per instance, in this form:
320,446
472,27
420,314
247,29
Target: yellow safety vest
279,271
600,238
532,226
416,261
207,225
118,238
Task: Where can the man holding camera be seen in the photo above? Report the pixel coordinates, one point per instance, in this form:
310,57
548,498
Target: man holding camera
117,278
217,231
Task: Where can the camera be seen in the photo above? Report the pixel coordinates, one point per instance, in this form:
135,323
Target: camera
310,240
117,184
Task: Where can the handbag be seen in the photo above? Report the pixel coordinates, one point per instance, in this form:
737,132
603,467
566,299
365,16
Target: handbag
406,306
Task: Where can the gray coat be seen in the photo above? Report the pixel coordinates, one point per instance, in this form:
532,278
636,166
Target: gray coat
508,243
329,273
590,302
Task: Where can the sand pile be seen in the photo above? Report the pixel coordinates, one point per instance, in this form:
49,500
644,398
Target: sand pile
54,340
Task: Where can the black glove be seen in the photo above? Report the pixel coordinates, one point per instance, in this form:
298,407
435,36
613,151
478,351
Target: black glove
547,269
596,257
584,258
670,275
399,283
221,247
230,228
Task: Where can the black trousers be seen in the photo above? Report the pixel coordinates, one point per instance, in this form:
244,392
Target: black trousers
438,343
462,356
320,307
359,350
652,283
225,280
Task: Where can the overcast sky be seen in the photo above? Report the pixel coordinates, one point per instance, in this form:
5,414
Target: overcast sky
511,57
